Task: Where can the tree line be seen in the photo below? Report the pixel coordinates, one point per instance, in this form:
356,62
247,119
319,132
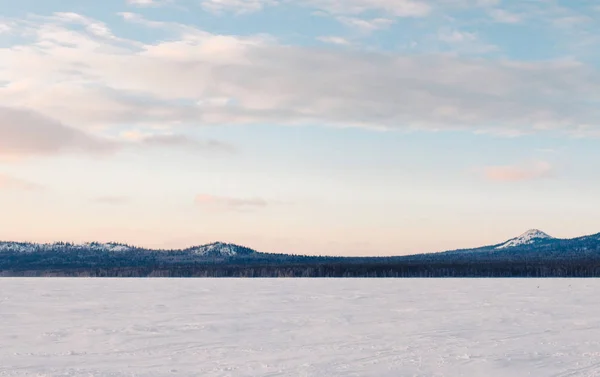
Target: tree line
444,269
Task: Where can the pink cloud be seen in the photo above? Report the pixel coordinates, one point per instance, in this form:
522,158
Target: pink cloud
224,202
184,141
24,132
515,173
112,200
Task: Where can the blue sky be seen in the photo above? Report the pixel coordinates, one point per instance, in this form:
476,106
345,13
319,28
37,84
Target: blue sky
355,127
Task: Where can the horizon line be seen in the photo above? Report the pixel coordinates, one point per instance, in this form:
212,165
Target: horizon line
274,253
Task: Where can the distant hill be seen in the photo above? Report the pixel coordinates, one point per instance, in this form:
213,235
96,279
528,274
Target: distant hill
531,254
533,245
213,250
91,254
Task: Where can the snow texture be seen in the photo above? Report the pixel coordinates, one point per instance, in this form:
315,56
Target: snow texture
299,327
526,238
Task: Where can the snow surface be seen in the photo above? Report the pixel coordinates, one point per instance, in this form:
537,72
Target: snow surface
526,238
299,327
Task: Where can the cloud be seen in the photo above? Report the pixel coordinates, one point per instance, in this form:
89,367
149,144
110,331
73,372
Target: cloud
334,40
24,132
515,173
236,6
484,3
397,8
456,36
465,42
8,182
112,200
366,25
195,78
148,3
229,203
503,16
141,2
181,140
174,140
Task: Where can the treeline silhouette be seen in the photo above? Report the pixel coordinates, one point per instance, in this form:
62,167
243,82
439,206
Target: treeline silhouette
578,257
331,269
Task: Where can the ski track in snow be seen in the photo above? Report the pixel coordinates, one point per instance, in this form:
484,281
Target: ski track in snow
299,327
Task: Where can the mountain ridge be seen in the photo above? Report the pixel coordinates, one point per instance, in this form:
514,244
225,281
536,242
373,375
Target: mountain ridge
531,242
524,247
532,254
218,246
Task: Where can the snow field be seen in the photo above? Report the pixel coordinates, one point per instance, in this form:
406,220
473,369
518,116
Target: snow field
299,327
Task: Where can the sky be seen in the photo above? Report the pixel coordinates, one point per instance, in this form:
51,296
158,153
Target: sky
320,127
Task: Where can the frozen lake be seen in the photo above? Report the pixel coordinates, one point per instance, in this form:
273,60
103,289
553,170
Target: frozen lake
320,327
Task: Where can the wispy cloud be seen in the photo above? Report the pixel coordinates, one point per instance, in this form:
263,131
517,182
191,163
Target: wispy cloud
366,25
182,140
455,36
465,42
175,140
25,132
334,40
197,78
517,173
397,8
229,203
504,16
148,3
236,6
8,182
112,200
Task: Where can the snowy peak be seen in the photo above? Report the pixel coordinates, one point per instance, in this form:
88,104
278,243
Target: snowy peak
221,249
526,238
534,233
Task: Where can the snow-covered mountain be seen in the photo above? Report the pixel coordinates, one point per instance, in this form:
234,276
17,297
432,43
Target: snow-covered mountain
530,239
62,255
221,249
531,245
28,247
216,249
527,238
